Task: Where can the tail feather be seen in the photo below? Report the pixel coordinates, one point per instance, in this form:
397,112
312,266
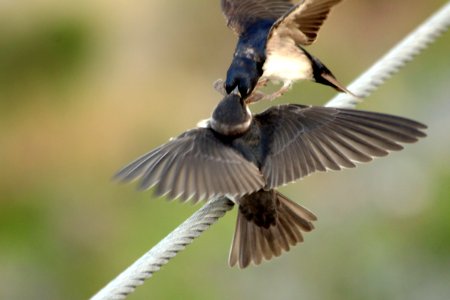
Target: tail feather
258,255
333,82
264,245
235,249
244,254
321,74
292,233
253,243
272,239
298,214
280,237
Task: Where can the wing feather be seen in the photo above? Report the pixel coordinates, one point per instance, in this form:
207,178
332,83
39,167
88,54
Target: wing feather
194,165
322,138
241,13
303,21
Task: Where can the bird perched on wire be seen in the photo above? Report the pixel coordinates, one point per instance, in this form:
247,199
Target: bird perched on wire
245,157
272,34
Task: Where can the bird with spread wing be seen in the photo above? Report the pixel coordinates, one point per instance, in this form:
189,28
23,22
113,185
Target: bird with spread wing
272,34
246,157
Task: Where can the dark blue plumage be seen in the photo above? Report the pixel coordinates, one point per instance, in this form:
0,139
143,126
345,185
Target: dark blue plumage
248,59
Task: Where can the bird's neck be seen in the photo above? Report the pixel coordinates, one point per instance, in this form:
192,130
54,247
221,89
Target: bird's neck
252,43
232,128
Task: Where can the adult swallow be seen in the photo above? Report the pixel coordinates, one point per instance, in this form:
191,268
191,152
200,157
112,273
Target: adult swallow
272,34
245,157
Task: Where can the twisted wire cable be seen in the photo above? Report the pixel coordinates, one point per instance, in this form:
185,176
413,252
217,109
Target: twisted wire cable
167,248
183,235
394,60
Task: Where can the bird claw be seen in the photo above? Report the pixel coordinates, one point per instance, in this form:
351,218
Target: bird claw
277,94
255,97
262,82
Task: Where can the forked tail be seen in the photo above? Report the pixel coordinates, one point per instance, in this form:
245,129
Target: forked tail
263,232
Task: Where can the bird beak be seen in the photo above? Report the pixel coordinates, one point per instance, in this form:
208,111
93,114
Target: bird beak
236,91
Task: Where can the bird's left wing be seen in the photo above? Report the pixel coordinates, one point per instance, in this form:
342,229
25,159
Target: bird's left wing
303,21
305,139
241,13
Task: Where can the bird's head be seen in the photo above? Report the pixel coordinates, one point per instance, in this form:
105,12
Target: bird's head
231,116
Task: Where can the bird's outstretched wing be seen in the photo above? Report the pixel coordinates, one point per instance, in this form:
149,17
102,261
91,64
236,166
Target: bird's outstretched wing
194,165
305,139
241,13
302,22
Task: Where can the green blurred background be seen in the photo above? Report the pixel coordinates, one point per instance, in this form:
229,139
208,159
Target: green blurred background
87,86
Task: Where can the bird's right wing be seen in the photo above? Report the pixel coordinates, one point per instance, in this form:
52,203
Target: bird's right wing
194,165
240,13
303,21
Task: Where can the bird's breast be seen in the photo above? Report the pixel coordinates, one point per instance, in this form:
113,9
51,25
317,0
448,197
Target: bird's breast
287,66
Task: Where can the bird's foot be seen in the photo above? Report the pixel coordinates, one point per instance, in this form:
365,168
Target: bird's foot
277,94
255,97
262,82
219,86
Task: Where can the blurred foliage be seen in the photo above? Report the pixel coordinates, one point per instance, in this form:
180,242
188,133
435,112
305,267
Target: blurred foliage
132,74
43,55
436,245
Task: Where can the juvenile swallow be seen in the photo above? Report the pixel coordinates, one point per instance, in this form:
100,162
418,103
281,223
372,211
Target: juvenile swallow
245,157
272,34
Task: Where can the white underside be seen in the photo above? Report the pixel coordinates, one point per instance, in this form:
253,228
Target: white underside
287,68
